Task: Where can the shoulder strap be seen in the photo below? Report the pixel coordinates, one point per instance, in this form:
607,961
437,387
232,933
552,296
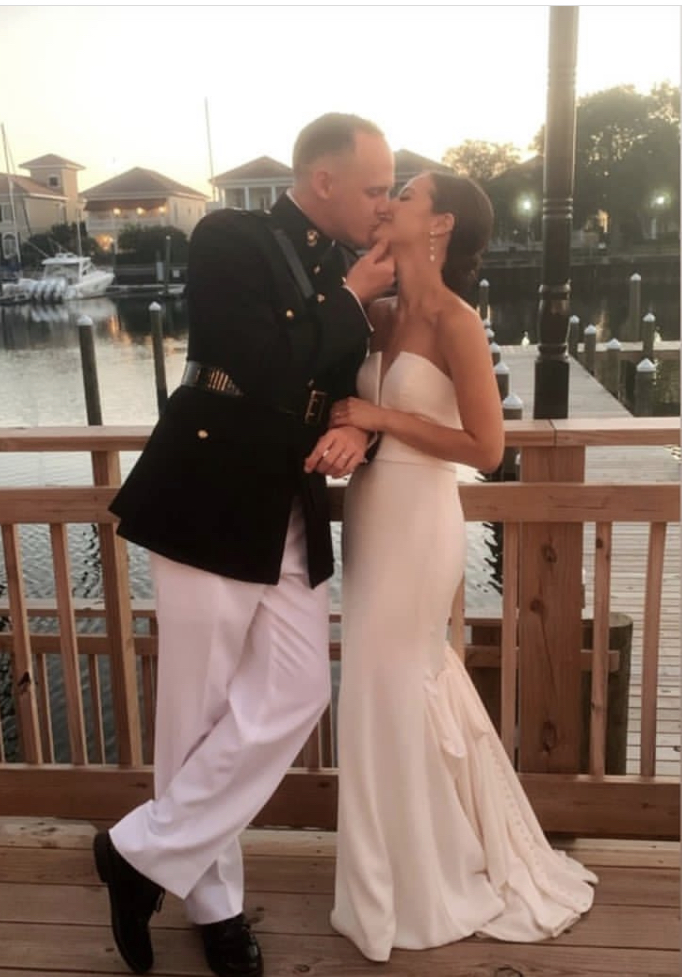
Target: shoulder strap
292,259
300,276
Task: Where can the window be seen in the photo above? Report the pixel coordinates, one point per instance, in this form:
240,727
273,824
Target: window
5,214
54,182
9,247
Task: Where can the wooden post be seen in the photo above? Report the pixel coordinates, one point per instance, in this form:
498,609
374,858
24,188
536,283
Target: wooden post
590,335
634,307
550,584
645,374
86,340
648,335
612,368
512,410
501,371
159,363
495,352
550,625
620,640
483,288
166,264
119,619
552,365
573,333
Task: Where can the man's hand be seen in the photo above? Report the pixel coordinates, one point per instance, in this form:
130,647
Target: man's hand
338,452
373,274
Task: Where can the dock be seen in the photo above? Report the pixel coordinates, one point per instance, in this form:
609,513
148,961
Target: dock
54,914
588,398
53,909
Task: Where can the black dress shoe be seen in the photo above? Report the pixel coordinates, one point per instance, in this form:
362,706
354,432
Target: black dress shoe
133,898
231,948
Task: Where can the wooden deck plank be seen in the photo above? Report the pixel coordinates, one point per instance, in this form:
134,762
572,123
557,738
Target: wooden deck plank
620,892
90,950
54,914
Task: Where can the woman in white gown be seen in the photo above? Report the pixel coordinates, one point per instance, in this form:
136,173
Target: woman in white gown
436,839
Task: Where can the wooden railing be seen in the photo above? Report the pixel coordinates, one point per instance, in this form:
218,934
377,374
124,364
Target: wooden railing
540,656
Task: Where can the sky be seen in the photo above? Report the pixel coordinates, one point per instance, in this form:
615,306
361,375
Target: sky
116,87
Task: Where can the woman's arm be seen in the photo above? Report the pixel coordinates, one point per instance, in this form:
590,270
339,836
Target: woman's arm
480,441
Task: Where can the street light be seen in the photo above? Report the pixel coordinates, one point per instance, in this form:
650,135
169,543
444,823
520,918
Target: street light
659,205
526,206
117,213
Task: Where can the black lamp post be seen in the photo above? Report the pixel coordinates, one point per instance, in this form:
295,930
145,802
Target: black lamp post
552,364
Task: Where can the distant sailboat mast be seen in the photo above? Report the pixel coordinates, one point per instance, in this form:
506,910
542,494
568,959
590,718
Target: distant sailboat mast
10,184
210,150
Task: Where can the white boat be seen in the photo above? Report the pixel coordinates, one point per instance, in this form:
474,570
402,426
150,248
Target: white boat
66,276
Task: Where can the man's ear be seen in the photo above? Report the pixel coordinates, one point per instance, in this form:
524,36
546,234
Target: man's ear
321,182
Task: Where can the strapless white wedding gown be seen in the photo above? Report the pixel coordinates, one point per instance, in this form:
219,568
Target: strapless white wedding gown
436,839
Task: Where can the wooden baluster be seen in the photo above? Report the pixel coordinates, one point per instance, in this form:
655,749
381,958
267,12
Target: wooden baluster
114,556
600,648
149,694
326,739
96,706
650,638
3,756
509,653
69,644
44,712
23,683
310,754
457,633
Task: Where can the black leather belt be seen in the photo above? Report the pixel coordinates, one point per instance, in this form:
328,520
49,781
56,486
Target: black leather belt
217,381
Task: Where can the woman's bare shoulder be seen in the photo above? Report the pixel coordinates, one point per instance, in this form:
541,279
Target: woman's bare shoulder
458,319
381,315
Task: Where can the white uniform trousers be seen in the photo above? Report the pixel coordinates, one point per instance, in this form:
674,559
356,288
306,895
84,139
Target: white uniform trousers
243,678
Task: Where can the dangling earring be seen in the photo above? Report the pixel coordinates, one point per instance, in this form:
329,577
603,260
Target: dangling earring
432,246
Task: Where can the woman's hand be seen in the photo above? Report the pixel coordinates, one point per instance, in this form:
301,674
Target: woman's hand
355,412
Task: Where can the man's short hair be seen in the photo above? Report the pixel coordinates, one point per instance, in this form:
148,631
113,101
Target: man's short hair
332,133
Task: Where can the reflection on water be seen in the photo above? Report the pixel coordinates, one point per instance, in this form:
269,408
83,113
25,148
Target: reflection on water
41,385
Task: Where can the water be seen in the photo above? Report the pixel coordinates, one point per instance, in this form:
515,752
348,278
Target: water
41,385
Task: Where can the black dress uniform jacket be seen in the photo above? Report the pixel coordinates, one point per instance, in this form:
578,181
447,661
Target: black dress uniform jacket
214,485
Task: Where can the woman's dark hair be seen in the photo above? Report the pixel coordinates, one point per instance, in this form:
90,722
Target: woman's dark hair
473,213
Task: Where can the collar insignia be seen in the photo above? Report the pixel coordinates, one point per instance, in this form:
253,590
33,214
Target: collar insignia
311,237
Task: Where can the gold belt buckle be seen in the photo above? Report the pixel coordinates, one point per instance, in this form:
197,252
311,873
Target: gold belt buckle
315,407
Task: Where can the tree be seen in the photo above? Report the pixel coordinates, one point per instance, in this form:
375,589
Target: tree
481,160
627,157
60,237
148,244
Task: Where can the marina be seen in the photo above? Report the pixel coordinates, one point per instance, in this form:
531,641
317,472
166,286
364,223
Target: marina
567,619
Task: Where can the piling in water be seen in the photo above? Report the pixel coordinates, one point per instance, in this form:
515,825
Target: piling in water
590,336
159,361
86,339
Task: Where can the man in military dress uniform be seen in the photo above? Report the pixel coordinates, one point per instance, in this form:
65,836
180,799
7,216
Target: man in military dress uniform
230,497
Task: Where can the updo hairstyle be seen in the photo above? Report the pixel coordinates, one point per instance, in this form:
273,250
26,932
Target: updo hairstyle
470,206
